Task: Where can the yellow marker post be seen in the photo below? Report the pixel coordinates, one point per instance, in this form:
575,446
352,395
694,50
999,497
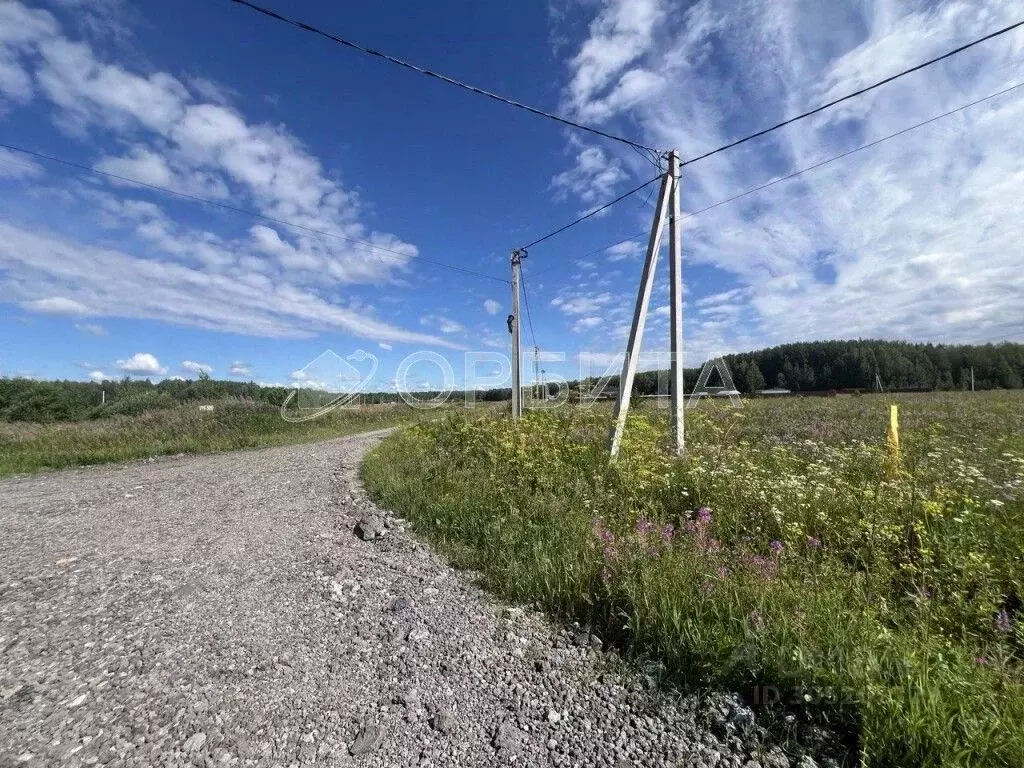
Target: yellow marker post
894,430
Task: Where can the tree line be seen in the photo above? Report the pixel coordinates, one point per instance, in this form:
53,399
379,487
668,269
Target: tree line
801,367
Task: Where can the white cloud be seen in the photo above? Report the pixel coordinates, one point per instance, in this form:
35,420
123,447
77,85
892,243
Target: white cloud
14,165
21,28
386,346
38,264
240,368
97,376
627,249
58,305
142,363
205,148
443,324
491,306
915,238
93,329
619,35
581,304
592,179
587,323
197,368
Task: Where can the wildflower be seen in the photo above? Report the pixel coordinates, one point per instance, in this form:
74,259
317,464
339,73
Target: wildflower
813,542
765,568
644,526
668,532
1003,622
707,587
981,661
610,553
704,515
776,546
691,527
722,571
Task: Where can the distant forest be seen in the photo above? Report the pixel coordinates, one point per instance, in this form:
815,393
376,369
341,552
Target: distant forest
803,367
826,365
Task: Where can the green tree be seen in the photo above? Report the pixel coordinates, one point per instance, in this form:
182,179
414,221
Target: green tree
755,379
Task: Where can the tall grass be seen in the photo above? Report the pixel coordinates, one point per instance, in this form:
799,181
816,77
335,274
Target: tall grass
789,554
32,447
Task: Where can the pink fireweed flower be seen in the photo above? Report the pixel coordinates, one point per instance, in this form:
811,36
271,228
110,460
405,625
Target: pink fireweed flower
668,532
722,572
766,568
601,532
776,546
981,661
610,553
691,527
644,526
704,515
813,542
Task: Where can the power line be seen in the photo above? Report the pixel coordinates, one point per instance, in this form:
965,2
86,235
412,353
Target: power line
246,212
594,212
853,151
806,169
848,96
444,78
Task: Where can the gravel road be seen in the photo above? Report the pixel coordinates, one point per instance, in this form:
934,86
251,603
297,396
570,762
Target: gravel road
219,610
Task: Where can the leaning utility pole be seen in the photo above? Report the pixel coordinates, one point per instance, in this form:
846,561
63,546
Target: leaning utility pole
517,384
643,300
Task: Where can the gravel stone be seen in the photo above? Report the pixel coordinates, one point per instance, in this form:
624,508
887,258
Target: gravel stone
195,742
443,721
369,528
367,740
216,610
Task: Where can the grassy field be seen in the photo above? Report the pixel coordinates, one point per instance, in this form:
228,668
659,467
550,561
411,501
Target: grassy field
33,447
790,555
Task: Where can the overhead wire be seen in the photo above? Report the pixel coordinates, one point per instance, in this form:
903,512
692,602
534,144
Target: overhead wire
594,212
255,214
443,78
856,93
801,171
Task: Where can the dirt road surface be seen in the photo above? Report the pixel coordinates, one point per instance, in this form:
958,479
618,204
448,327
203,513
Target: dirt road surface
219,610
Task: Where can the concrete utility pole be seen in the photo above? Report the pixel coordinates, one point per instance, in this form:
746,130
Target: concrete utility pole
517,384
676,306
643,300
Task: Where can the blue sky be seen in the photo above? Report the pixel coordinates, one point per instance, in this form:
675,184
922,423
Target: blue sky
919,238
